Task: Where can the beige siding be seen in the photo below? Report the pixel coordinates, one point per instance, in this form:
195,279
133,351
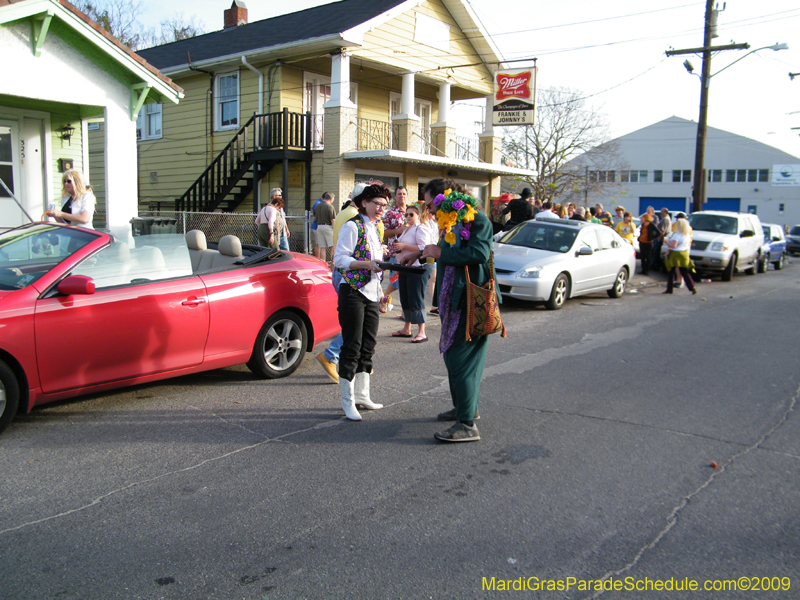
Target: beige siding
291,89
393,43
168,166
97,173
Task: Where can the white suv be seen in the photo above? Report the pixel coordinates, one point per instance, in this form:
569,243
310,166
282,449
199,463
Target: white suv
725,242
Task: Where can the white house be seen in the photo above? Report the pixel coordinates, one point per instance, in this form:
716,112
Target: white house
61,71
742,174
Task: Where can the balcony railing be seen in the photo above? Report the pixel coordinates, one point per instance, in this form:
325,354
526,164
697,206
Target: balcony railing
384,135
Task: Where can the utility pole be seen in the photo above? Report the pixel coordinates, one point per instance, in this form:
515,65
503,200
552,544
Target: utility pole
702,122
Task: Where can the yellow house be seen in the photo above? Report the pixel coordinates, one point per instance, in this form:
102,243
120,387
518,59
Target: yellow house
316,100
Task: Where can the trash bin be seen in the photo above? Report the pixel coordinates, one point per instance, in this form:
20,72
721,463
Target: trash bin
142,225
153,225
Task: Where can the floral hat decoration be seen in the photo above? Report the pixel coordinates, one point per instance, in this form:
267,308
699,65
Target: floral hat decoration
455,211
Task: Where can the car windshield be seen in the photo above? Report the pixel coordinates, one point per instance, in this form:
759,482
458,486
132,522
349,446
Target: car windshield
795,230
28,252
541,236
714,223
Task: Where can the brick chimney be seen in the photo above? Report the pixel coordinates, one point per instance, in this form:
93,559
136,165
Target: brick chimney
236,15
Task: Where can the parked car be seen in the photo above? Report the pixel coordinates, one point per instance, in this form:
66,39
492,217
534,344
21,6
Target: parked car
82,312
774,247
793,240
724,242
551,261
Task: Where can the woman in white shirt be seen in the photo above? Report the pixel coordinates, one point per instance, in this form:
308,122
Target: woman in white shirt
267,221
678,259
412,285
79,202
358,250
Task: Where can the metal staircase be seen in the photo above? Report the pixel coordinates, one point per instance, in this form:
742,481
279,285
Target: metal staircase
263,142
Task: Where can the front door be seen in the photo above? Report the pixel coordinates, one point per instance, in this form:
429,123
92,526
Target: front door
11,214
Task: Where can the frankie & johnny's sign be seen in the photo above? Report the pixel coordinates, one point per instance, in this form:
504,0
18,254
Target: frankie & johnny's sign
514,97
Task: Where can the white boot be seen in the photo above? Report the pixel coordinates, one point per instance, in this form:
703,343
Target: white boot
362,393
348,402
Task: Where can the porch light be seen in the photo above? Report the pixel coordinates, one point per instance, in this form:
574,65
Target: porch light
66,133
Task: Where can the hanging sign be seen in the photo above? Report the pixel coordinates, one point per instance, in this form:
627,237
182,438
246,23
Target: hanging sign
514,97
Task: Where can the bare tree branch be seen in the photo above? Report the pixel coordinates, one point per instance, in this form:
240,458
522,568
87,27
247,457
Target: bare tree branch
121,19
566,138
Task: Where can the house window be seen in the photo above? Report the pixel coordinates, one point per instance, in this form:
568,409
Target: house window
624,176
752,175
227,100
316,92
684,176
781,208
715,175
602,176
148,125
763,175
432,32
741,175
730,176
658,176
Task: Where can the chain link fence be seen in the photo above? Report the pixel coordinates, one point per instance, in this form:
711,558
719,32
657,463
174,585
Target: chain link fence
216,225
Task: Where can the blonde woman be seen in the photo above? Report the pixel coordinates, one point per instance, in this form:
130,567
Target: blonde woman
79,201
678,259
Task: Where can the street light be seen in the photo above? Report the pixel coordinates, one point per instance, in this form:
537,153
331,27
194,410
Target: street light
705,80
774,47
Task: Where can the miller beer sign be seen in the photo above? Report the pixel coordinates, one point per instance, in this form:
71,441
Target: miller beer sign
514,97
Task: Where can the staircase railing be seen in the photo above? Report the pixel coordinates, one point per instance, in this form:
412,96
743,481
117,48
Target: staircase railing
271,131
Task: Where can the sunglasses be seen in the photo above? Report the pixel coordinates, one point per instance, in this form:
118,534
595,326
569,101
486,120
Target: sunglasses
411,214
68,181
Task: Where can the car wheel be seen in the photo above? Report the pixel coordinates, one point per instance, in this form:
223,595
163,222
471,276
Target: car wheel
280,346
9,395
778,264
560,292
763,264
619,284
727,274
756,268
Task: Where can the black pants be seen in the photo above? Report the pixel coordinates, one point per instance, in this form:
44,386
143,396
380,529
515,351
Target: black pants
645,251
358,318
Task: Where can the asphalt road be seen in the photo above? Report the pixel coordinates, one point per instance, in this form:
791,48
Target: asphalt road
600,423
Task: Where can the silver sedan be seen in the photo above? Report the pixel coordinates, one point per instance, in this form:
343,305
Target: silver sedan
553,260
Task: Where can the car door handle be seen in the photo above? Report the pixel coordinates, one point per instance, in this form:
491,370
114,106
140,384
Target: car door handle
193,301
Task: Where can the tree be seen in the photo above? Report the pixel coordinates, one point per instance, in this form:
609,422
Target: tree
120,18
567,142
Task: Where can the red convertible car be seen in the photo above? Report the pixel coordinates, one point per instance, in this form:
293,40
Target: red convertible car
82,312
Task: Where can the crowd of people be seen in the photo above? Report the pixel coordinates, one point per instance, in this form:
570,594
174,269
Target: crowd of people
367,231
371,228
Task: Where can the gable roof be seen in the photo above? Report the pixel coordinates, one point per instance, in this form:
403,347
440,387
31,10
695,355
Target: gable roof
322,28
16,10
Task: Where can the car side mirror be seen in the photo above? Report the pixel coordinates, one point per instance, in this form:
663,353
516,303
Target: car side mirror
775,238
76,285
747,233
585,251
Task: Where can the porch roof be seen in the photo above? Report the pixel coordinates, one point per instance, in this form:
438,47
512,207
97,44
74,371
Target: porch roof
398,156
115,51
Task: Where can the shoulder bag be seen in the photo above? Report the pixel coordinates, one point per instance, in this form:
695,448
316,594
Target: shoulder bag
483,306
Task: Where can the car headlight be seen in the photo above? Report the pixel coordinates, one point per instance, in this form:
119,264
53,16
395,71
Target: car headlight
530,273
718,247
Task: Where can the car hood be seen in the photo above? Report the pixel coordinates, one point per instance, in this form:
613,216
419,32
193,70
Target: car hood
508,257
713,236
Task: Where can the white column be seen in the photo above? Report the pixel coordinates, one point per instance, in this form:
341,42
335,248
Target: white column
444,104
488,128
407,99
340,82
121,168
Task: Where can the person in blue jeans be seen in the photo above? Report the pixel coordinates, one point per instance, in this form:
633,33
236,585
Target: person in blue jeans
329,359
